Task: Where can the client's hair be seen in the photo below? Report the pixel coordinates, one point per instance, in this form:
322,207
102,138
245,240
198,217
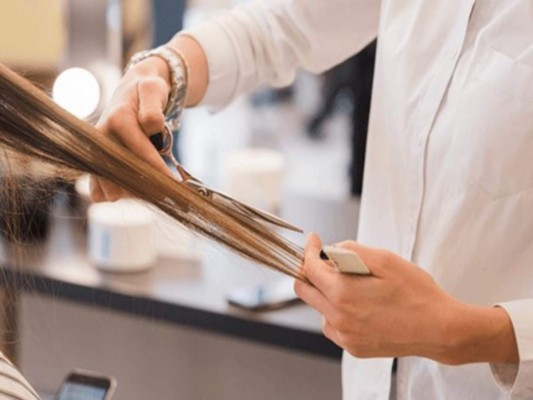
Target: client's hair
31,124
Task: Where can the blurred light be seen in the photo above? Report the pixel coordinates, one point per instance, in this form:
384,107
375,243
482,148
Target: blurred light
77,91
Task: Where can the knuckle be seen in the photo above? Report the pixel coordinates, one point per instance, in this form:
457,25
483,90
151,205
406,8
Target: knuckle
151,118
339,322
151,84
386,258
115,120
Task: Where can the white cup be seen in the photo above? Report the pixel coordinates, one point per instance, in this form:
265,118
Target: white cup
120,236
254,176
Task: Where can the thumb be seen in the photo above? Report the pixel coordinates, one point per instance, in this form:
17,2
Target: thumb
317,271
313,246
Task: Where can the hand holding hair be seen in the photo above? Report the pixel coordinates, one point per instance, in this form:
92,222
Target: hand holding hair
133,115
136,110
400,311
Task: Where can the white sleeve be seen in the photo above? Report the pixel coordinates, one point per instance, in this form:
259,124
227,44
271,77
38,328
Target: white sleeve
266,41
517,380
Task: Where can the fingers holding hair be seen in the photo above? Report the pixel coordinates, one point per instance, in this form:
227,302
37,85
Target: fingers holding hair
123,125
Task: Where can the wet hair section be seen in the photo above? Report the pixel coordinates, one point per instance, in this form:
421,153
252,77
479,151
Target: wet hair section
33,126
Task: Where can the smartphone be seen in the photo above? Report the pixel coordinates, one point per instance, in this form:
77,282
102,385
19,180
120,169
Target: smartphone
264,297
84,385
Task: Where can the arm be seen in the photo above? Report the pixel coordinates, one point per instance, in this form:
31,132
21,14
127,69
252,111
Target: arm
263,42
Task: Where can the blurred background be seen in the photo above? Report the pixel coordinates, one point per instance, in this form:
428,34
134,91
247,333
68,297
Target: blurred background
315,130
77,50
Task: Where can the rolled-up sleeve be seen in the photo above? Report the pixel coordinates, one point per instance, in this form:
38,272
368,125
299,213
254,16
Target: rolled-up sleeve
517,380
266,42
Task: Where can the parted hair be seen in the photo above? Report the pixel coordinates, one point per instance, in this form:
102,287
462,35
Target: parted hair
33,125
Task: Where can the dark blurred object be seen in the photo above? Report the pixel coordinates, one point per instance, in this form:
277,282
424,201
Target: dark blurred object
270,96
353,77
25,209
168,19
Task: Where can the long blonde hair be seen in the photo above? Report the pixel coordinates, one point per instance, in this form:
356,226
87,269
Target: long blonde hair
32,125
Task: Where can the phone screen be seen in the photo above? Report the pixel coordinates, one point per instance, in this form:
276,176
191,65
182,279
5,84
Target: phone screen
85,386
80,391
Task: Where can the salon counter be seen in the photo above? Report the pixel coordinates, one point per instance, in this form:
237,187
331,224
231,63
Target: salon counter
188,292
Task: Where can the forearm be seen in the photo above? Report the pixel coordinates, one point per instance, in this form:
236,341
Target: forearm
265,43
477,334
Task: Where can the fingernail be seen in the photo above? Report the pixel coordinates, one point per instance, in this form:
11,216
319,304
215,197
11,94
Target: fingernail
157,140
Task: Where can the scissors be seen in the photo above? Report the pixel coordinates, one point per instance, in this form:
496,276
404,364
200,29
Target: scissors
163,143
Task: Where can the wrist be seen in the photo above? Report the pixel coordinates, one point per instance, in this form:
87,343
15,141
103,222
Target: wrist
195,58
477,334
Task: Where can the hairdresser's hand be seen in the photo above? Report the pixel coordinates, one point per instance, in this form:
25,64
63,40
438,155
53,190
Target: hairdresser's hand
400,311
136,108
134,114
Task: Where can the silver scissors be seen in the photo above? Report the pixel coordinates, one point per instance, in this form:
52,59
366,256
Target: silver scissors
163,143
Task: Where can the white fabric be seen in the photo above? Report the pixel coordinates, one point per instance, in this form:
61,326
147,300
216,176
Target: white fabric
13,386
449,173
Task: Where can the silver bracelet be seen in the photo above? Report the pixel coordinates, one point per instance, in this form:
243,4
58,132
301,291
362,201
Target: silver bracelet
178,81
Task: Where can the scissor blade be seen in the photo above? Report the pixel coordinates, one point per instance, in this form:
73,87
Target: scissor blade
240,207
255,213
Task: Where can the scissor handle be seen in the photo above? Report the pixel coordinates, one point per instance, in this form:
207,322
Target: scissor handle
163,141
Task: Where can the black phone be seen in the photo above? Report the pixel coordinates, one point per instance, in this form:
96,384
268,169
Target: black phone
85,385
264,297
